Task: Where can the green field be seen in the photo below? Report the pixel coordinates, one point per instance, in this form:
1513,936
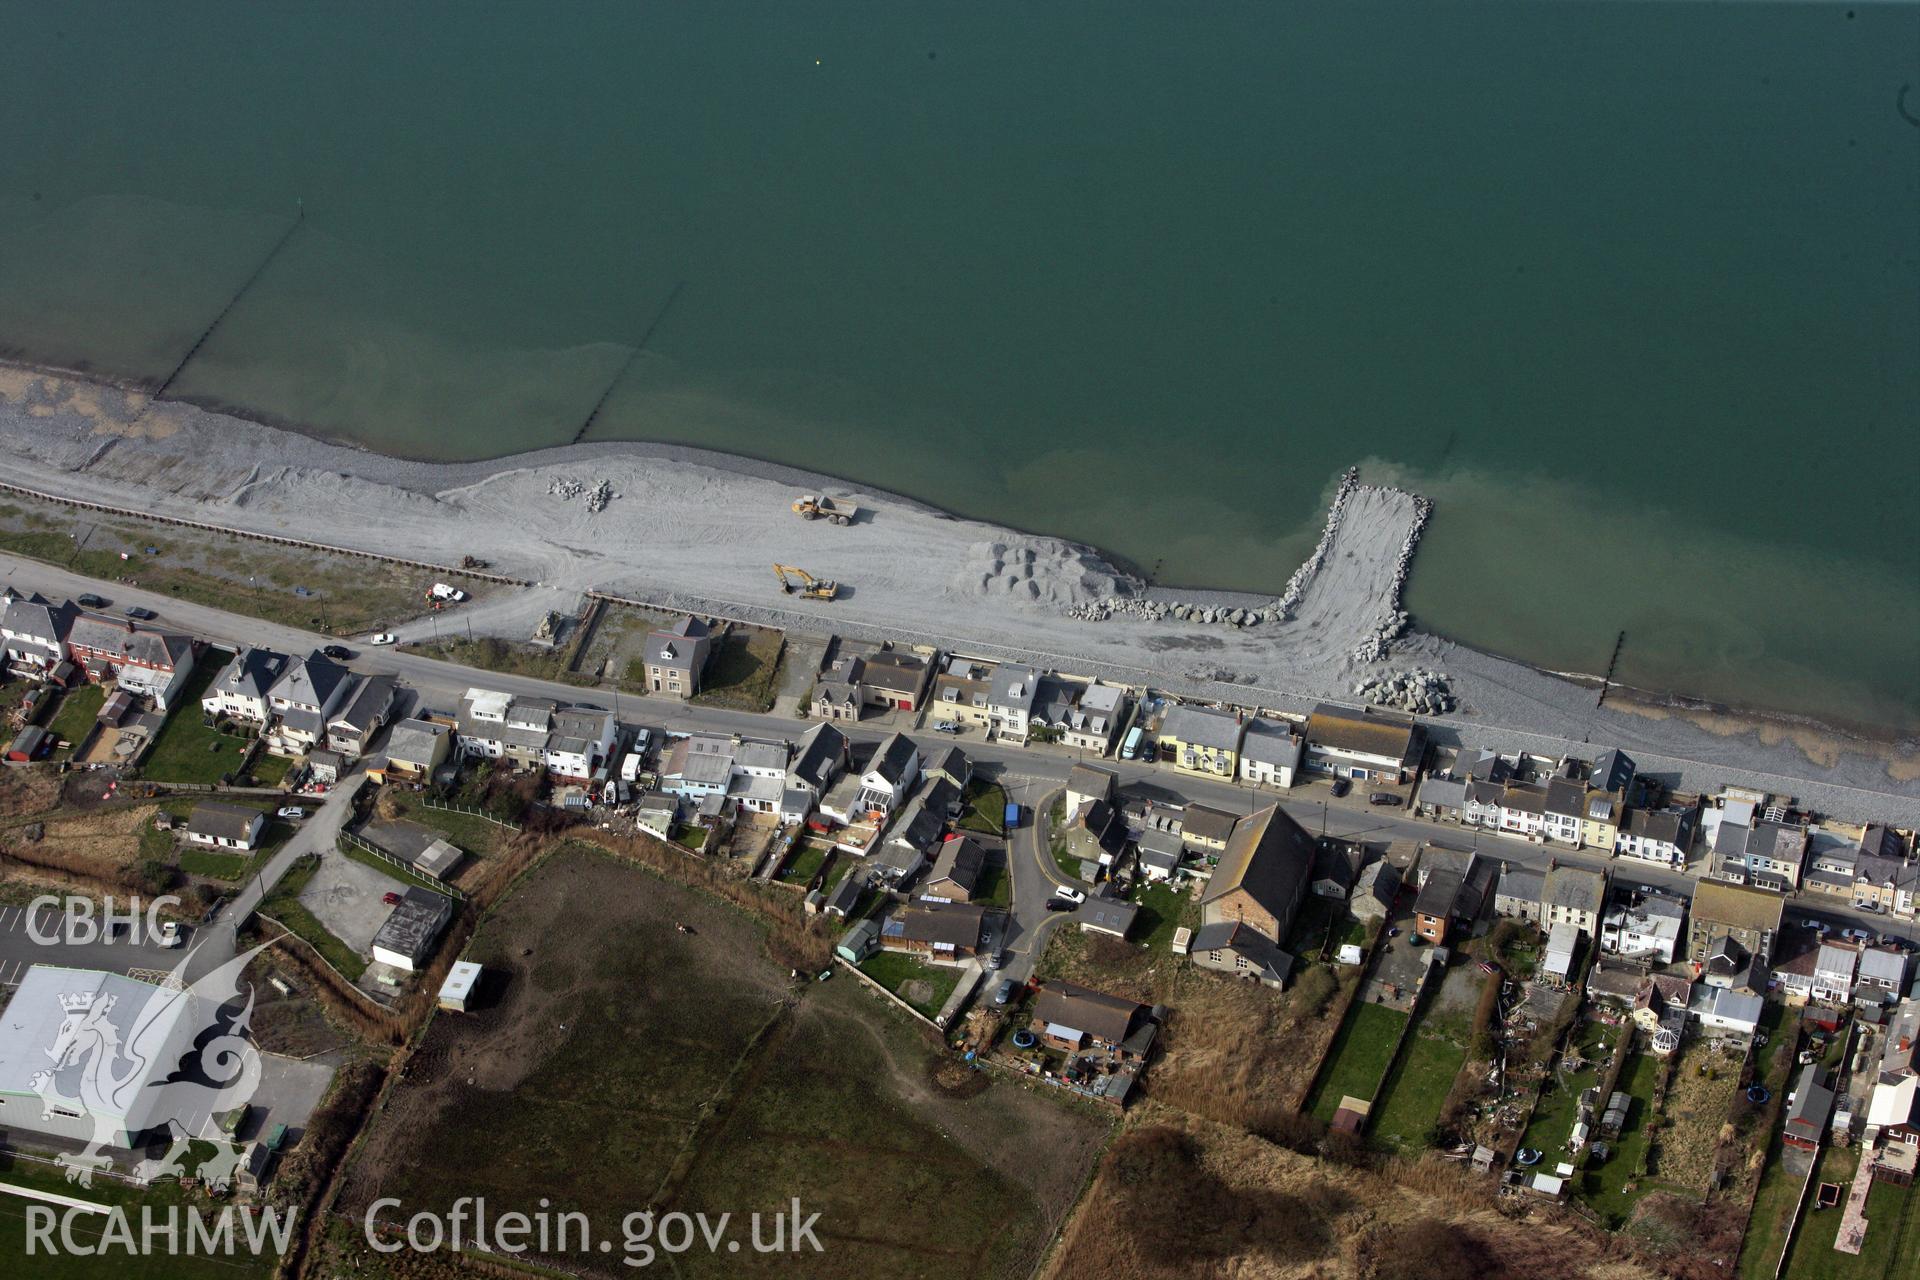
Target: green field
893,971
79,710
470,832
996,886
1358,1057
1163,909
986,809
803,866
1411,1099
188,749
118,1264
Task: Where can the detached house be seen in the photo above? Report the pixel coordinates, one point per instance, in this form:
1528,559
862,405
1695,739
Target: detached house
1072,1017
896,681
1362,745
415,748
836,695
239,692
676,657
225,826
947,932
1204,741
957,871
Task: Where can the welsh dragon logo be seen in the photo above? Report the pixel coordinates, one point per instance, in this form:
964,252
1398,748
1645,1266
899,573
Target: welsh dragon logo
186,1056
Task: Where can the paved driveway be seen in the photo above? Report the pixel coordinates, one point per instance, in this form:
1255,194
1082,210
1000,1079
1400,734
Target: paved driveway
345,896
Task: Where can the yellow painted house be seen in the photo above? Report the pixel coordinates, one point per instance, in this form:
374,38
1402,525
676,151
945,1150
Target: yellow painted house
1600,826
1203,741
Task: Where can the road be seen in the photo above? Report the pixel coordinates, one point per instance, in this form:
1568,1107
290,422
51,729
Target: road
1034,772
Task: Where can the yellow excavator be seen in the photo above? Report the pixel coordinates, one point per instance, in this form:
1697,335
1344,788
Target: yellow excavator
799,582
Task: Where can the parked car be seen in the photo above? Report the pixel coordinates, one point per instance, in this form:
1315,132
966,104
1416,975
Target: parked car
338,652
1384,797
170,933
1075,896
91,601
446,593
139,614
1060,904
1004,993
391,898
1341,786
946,726
385,637
292,811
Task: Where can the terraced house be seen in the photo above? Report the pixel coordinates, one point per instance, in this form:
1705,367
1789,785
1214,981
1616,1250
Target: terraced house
1204,741
1657,836
1732,932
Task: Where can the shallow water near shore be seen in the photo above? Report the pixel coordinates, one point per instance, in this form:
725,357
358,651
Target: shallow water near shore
1625,288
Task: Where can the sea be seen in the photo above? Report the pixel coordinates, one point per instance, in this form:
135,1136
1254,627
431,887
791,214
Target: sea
1631,290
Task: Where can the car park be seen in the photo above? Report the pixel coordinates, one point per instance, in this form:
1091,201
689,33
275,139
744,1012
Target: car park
139,614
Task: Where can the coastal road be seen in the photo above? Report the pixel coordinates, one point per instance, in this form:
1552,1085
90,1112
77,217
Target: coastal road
1035,770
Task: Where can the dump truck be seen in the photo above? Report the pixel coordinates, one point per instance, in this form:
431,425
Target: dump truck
814,506
799,582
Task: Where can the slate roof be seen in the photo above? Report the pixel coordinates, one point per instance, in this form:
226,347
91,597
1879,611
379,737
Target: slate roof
961,860
1272,742
1390,737
412,741
1269,856
823,750
895,672
1202,727
372,699
1104,1017
891,759
677,646
221,820
1089,780
1013,687
309,681
1204,822
249,674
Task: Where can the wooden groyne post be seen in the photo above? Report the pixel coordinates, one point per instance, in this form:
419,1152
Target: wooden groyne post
299,216
627,364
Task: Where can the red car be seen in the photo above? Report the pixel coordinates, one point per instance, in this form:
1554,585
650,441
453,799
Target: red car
390,898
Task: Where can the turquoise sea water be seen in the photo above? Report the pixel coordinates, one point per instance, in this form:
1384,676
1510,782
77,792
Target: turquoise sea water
1632,289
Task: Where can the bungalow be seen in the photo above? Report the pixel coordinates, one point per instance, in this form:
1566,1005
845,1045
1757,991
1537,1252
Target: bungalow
225,826
1087,782
1270,753
1096,717
1160,853
361,714
939,931
1072,1017
1809,1109
1374,891
676,657
1206,828
416,748
1263,874
1010,695
1232,947
1661,837
957,872
959,695
151,664
35,634
1204,741
1362,745
658,813
894,680
1110,916
1336,866
239,692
